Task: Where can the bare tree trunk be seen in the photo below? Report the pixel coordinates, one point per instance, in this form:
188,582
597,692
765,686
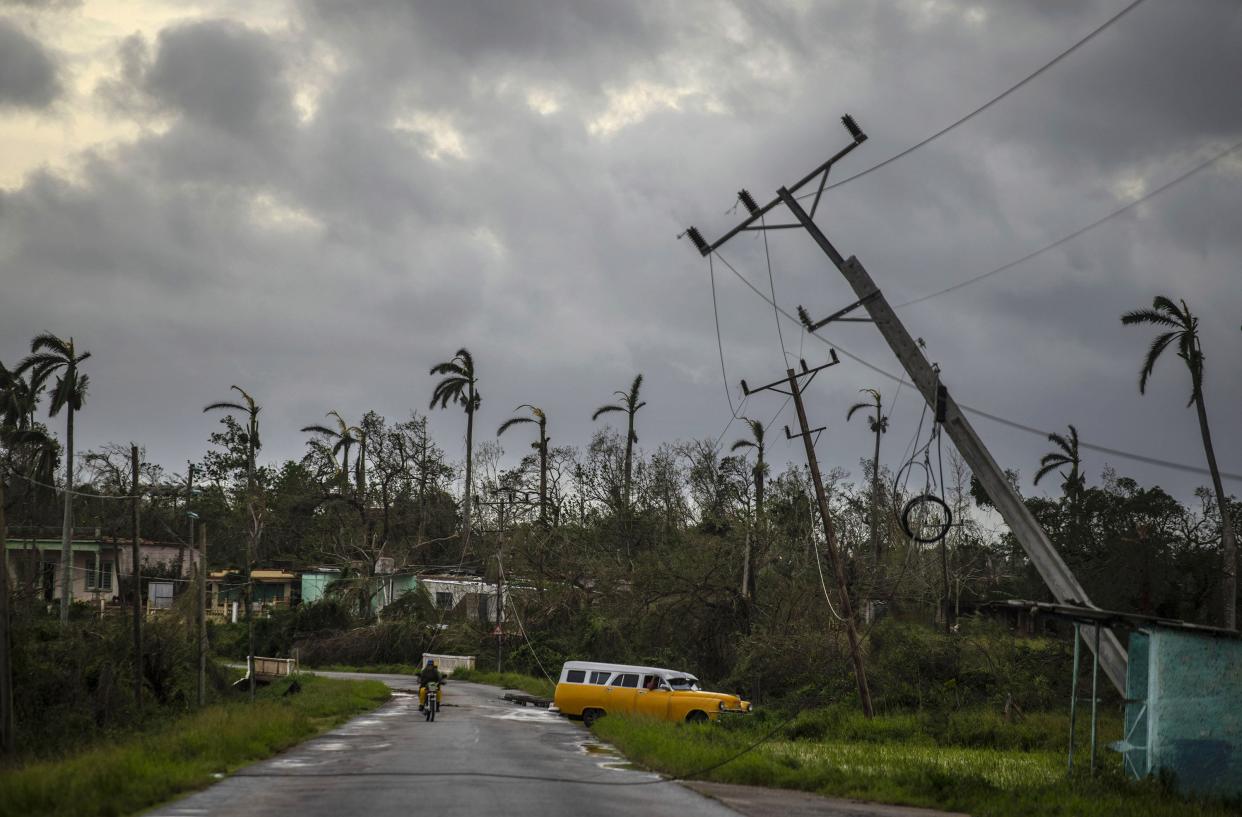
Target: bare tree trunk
875,490
1229,544
202,614
543,476
629,461
66,540
248,590
8,742
468,501
137,579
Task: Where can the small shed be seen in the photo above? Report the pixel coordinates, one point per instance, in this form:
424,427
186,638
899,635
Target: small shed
1184,708
1183,697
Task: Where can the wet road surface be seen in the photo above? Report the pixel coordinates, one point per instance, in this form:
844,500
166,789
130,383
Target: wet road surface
482,756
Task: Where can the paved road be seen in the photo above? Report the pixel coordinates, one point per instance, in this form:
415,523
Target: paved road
478,758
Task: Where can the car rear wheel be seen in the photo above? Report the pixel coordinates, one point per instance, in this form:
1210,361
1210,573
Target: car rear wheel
697,716
590,716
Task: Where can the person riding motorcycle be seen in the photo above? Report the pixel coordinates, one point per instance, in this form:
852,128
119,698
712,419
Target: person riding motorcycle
428,673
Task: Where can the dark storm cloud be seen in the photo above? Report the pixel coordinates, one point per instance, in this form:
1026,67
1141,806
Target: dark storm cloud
510,177
28,73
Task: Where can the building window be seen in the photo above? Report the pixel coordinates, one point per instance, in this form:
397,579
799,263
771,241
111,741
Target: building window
99,575
444,600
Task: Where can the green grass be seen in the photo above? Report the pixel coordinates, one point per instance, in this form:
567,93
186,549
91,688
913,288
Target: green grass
508,680
183,754
896,761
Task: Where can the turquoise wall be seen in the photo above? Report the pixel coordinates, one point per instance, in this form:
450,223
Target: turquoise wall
1192,708
314,585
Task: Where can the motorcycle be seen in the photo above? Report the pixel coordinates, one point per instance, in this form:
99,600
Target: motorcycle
429,702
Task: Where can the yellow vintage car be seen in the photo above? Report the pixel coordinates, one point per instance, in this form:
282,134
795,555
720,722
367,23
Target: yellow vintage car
590,690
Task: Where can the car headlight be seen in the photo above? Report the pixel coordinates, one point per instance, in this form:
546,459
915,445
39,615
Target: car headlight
722,706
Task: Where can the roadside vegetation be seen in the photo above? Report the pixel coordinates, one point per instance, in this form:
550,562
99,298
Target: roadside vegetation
970,762
180,754
539,687
704,555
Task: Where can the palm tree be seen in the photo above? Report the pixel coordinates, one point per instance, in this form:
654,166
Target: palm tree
250,435
879,425
629,404
49,355
1184,331
759,471
19,398
1067,454
460,386
542,447
342,438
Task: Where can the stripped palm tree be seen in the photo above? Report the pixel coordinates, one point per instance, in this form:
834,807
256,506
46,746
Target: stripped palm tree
879,425
250,436
461,387
339,441
19,399
50,355
538,416
1184,332
1066,454
755,443
629,404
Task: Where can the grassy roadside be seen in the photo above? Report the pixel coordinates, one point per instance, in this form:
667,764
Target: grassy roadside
184,754
1011,776
508,680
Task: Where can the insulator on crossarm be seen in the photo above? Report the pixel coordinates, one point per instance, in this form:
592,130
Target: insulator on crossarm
852,127
748,201
697,238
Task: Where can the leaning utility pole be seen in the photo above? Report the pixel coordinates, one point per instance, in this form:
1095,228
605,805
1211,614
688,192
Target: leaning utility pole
796,386
136,575
7,736
1009,504
202,615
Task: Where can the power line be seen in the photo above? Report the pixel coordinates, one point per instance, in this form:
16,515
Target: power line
711,271
1124,11
969,409
1071,236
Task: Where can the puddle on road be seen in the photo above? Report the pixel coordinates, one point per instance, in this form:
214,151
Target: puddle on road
612,759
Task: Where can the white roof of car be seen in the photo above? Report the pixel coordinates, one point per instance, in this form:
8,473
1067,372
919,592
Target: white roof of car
595,665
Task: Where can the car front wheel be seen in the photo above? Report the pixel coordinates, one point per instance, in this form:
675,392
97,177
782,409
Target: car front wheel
590,716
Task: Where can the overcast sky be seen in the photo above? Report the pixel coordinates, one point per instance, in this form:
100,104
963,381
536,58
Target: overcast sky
319,201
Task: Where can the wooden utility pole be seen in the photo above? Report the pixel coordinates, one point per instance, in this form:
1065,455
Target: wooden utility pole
795,386
202,615
136,575
1026,529
8,741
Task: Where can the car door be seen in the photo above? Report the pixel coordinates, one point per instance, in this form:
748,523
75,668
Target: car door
652,702
619,695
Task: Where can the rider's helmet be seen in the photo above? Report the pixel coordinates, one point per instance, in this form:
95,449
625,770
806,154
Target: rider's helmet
430,662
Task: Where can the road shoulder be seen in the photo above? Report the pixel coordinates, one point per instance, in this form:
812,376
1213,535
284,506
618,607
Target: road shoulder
756,801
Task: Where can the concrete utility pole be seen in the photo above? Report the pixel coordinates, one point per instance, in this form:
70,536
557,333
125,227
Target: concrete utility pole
136,575
1052,568
8,738
202,615
189,495
796,387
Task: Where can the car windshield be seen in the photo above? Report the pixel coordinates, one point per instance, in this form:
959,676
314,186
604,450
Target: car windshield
683,682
